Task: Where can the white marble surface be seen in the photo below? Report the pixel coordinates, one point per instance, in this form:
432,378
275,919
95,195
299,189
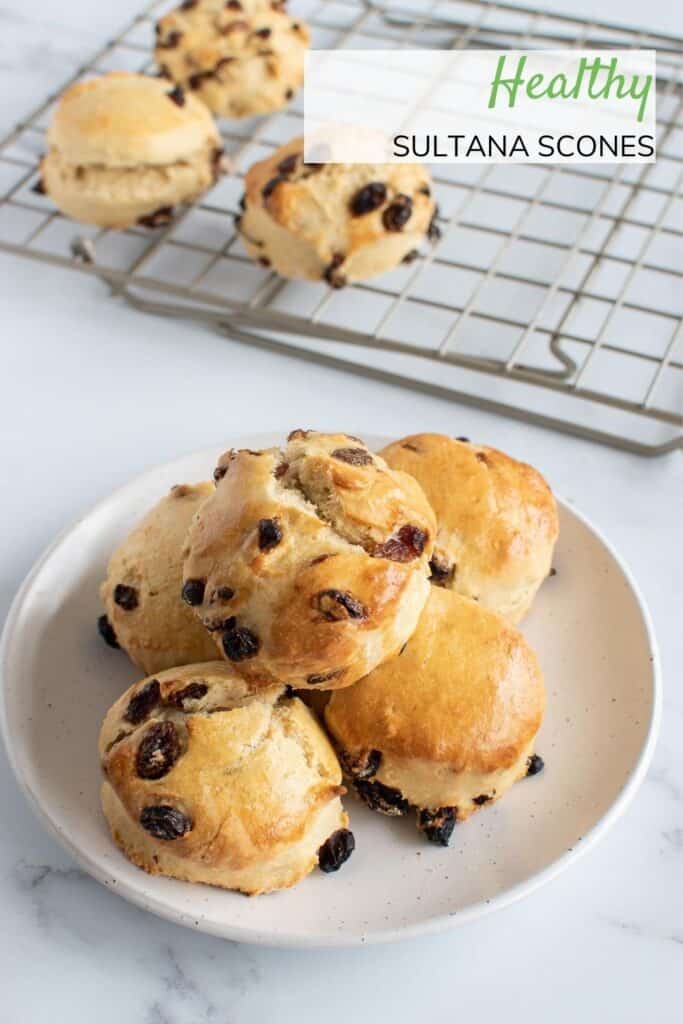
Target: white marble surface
90,393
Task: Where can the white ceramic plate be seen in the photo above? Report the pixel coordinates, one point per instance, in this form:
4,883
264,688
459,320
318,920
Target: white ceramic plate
596,645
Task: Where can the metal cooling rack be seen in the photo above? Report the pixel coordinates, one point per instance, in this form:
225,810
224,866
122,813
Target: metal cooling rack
554,295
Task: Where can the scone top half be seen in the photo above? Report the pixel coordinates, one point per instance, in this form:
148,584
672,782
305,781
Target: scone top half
497,520
309,564
145,612
210,780
240,58
124,145
334,222
450,724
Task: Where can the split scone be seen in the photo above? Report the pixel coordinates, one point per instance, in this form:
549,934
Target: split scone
240,58
208,780
309,565
126,148
449,725
145,613
496,519
334,222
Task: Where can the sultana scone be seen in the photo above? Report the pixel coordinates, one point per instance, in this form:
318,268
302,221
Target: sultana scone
309,565
496,518
209,780
334,222
145,613
449,725
240,58
126,148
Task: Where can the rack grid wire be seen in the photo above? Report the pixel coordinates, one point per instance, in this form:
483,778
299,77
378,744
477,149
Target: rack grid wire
553,296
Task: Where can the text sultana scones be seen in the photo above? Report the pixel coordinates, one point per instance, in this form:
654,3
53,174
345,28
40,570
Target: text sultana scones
126,148
240,58
208,780
449,725
145,613
496,518
334,222
309,565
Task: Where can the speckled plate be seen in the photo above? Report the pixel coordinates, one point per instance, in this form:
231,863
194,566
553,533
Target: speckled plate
596,645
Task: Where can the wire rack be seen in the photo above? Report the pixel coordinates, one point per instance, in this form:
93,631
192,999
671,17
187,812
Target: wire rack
554,295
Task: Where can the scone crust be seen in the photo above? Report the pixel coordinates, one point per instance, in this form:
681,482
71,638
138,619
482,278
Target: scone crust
466,692
122,119
496,518
334,591
300,217
253,776
240,60
161,631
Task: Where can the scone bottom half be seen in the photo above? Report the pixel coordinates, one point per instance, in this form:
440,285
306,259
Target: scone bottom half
309,565
208,780
336,223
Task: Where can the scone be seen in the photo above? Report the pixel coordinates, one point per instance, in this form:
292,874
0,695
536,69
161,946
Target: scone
334,222
126,148
449,725
496,519
145,613
208,780
309,565
240,58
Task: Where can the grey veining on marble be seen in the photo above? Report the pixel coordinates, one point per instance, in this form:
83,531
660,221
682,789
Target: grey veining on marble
88,400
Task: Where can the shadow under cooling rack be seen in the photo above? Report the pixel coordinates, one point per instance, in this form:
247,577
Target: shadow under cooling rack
554,294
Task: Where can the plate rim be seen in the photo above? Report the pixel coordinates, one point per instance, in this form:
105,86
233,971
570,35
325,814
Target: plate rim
297,940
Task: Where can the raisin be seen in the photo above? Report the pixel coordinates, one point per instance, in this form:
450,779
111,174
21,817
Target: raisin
142,703
441,572
534,765
125,597
219,472
223,594
171,40
382,798
553,572
165,822
196,80
269,534
368,198
158,751
223,63
438,825
465,440
187,5
336,850
411,256
177,94
39,187
324,677
193,691
242,202
288,165
354,456
280,470
264,261
336,605
297,434
361,766
158,218
106,631
410,447
398,213
481,800
240,644
262,33
425,190
220,163
193,591
289,93
409,543
233,5
331,272
271,185
434,231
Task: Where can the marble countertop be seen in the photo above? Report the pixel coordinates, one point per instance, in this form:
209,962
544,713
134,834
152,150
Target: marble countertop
92,393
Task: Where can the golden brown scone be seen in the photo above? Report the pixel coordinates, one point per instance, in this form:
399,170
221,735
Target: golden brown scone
126,148
450,724
496,517
334,222
309,565
145,612
209,780
240,58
